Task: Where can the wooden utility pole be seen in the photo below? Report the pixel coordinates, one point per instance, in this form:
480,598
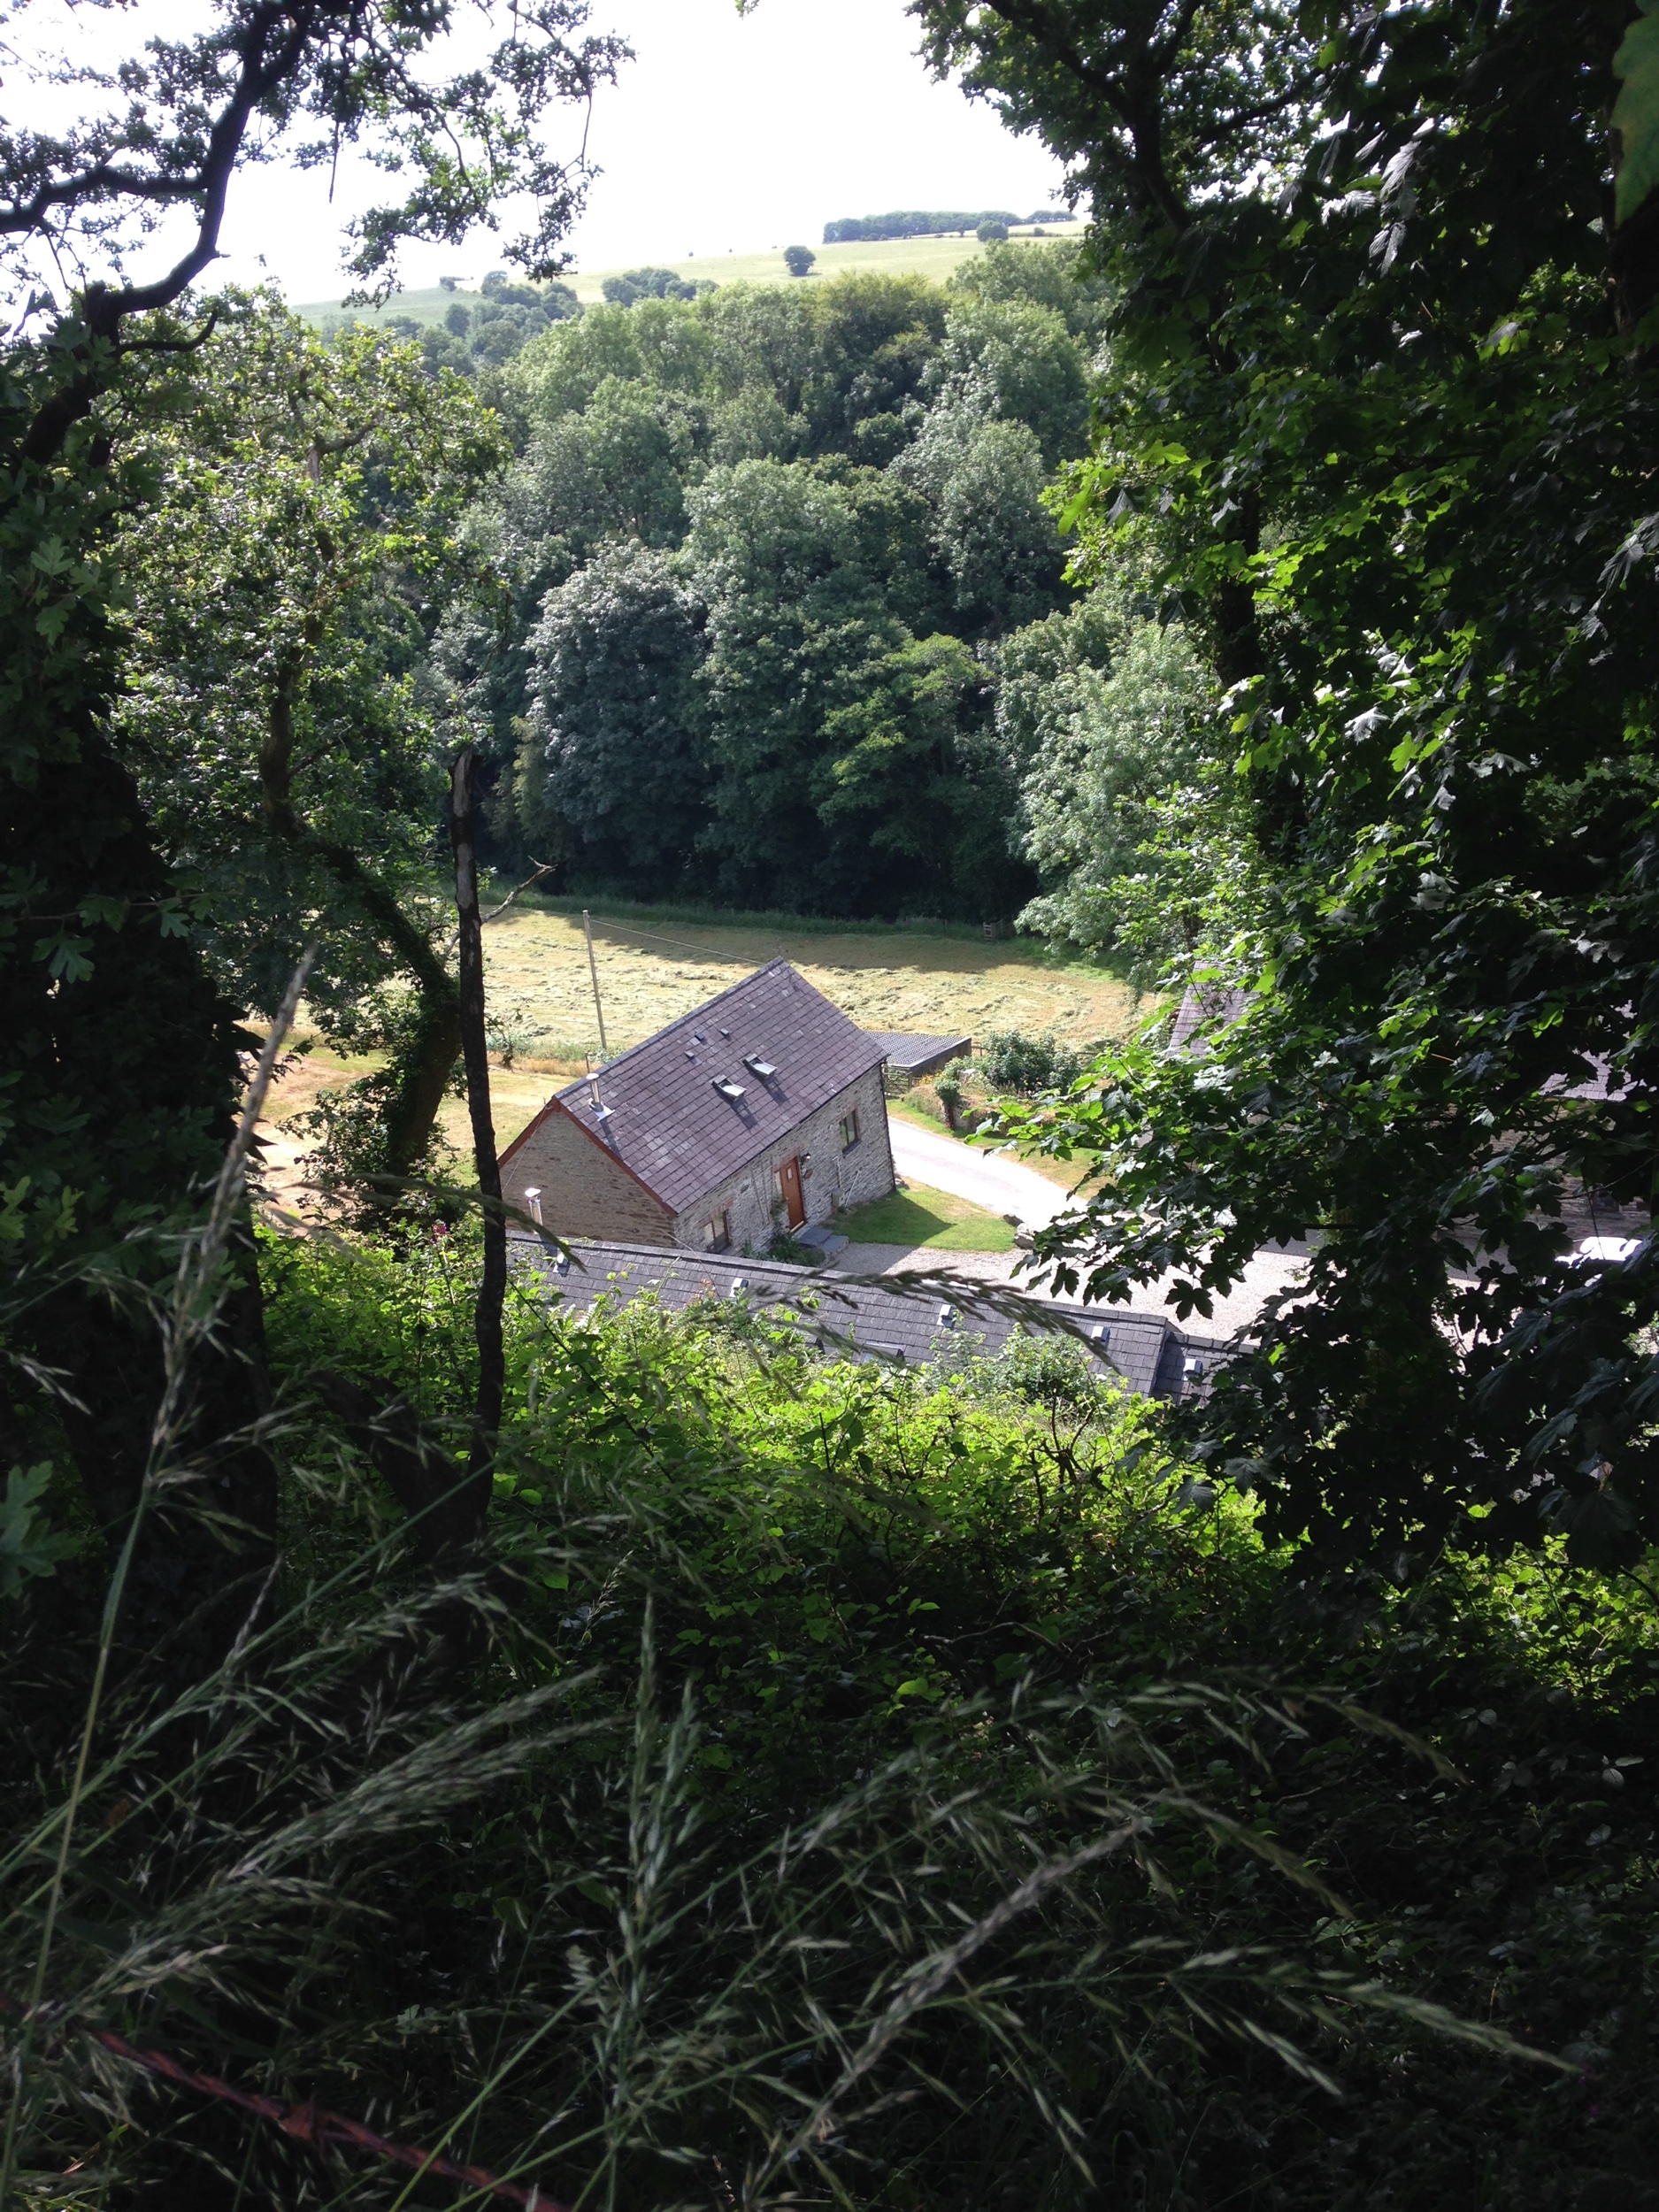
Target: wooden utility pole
492,1366
592,969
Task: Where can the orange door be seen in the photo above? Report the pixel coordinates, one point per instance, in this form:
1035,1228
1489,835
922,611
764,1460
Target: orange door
789,1181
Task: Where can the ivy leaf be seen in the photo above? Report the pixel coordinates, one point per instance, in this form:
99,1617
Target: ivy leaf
1636,111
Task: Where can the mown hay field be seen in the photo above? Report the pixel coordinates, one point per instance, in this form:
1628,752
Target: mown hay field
541,1002
652,971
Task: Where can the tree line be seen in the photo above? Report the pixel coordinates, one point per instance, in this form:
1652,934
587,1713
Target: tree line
900,704
923,223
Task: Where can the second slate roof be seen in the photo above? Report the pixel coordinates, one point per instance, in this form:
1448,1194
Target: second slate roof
1204,1009
911,1323
676,1131
917,1056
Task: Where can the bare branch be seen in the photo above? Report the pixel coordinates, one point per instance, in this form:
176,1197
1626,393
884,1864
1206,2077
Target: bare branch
542,868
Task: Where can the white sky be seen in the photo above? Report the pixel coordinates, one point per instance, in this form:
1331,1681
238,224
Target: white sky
726,132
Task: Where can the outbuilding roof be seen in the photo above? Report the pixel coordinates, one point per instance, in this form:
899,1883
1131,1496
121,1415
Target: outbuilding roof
918,1056
694,1104
909,1323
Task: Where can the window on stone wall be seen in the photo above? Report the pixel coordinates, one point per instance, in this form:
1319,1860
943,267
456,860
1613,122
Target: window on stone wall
716,1234
850,1130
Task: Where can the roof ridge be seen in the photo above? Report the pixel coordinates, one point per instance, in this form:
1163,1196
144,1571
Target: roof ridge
696,1256
696,1014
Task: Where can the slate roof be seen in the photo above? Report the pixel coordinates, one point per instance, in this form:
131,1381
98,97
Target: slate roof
681,1136
917,1056
1601,1086
872,1320
1212,1006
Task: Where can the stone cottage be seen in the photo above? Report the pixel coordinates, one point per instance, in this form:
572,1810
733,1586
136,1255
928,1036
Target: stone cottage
763,1110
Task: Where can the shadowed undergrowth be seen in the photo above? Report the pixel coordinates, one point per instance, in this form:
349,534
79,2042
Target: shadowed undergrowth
890,1789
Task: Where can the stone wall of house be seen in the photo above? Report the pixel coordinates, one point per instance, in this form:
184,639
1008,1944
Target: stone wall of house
830,1177
585,1191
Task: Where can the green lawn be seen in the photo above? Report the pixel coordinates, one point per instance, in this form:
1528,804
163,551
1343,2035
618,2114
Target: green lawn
919,1115
935,1219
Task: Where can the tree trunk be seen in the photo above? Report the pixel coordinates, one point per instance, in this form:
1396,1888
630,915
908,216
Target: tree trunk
425,1070
487,1316
121,1075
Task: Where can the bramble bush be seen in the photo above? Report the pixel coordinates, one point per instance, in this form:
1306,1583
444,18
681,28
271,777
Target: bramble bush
1012,1061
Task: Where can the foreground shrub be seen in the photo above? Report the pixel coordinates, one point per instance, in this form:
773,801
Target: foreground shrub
854,1785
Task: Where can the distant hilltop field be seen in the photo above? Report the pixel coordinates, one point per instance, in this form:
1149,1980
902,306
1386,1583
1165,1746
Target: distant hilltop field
940,223
924,254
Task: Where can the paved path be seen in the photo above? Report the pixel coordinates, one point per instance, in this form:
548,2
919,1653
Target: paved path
994,1180
998,1182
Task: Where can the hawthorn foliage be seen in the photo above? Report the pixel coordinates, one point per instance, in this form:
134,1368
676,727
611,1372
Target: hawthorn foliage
284,583
1382,410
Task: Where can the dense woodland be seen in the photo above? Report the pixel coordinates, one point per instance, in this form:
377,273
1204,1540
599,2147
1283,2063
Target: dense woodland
656,1761
789,625
770,607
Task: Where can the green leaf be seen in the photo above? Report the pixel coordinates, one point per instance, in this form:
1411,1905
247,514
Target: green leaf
66,956
1599,1527
1636,112
27,1549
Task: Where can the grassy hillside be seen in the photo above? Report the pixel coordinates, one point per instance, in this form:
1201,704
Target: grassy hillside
936,257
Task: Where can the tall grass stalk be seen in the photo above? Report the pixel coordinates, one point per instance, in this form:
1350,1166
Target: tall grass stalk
189,1318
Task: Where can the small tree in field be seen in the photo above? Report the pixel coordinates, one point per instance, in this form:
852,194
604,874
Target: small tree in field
798,259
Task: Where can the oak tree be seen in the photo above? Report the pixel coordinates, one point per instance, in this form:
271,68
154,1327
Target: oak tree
1382,411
